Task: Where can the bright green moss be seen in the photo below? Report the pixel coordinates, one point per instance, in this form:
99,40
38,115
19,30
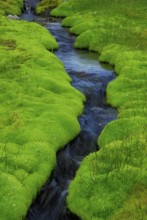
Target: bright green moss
106,180
82,27
63,10
129,90
111,184
11,194
38,113
83,41
122,129
72,20
46,5
11,7
134,104
128,113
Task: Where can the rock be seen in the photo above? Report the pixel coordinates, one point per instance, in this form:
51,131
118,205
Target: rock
14,17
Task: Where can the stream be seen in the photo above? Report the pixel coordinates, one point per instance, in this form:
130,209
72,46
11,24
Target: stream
91,78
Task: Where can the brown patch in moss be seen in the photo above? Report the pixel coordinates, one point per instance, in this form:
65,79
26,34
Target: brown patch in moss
8,43
135,207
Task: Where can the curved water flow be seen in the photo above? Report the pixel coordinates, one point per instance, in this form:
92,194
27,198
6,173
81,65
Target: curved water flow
91,78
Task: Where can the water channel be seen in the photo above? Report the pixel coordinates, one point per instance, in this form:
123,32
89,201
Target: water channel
91,78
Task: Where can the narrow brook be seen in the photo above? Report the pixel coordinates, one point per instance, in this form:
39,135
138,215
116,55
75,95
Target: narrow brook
91,78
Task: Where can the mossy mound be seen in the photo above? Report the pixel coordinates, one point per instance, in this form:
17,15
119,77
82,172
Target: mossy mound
38,113
111,184
11,7
46,5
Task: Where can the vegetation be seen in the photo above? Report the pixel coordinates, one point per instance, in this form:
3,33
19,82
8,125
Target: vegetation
112,183
46,5
11,7
38,112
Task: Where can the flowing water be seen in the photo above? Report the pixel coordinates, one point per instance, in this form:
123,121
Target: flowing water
91,78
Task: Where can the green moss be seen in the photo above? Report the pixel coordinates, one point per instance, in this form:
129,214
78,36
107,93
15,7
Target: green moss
72,20
111,184
46,5
131,112
82,27
105,193
63,10
38,113
122,129
106,179
84,40
11,7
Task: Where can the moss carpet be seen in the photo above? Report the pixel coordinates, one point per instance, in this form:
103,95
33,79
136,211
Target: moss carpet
112,183
38,111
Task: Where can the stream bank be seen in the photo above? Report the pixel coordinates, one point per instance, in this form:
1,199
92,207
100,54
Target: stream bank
91,79
115,176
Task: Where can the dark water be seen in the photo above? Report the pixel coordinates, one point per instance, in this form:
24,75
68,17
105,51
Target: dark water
29,10
91,78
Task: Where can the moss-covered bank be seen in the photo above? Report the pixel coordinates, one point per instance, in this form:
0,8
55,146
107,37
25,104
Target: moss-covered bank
38,112
112,183
47,5
11,7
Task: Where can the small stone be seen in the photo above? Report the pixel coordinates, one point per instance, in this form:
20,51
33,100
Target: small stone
13,17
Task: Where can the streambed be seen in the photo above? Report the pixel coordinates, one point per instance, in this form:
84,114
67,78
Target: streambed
91,78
